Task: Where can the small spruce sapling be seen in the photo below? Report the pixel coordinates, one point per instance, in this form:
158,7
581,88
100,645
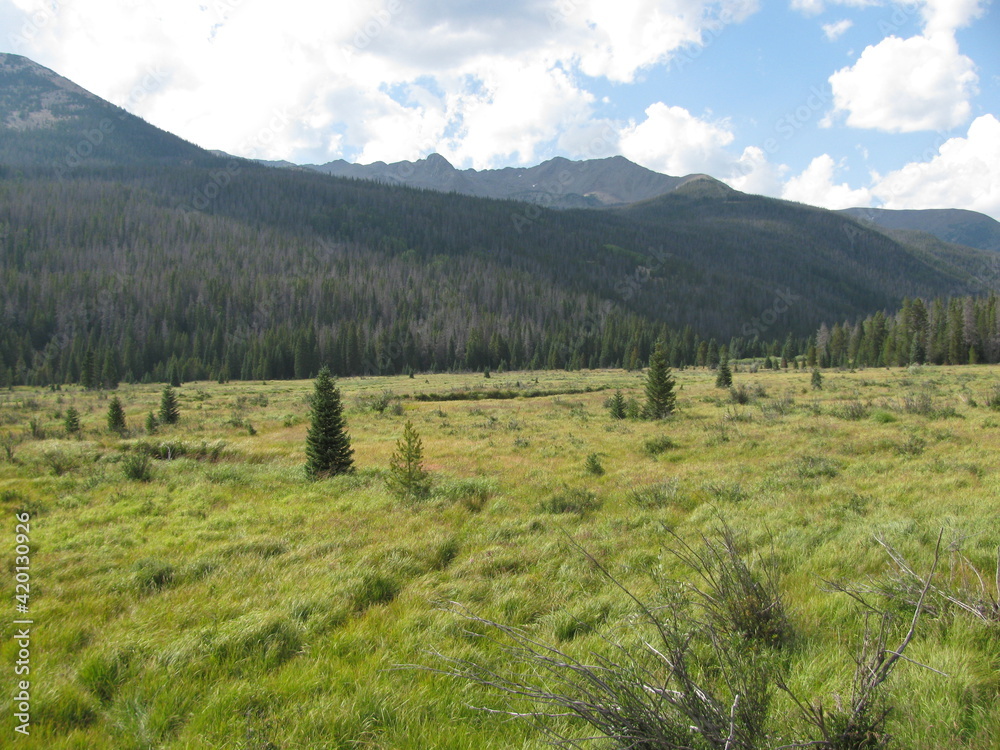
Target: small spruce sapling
170,411
116,416
72,421
617,405
328,446
407,476
724,377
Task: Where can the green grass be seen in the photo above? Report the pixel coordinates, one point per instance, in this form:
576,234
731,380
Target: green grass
192,588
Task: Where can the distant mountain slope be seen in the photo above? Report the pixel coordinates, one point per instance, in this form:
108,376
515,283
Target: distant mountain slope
48,120
556,183
953,225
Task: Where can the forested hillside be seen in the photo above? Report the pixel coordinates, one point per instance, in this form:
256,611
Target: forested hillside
146,252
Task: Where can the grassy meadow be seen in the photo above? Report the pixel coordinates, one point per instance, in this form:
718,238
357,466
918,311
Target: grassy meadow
227,602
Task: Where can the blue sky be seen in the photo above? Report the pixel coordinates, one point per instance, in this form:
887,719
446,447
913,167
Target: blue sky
830,102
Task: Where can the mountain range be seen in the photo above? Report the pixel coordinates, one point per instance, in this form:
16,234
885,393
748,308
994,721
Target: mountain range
615,181
125,244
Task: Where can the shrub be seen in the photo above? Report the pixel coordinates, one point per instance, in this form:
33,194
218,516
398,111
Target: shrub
914,445
993,398
58,462
36,429
137,467
699,669
852,410
740,394
920,403
657,445
593,465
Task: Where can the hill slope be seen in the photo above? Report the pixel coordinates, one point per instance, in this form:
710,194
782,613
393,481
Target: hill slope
46,119
953,225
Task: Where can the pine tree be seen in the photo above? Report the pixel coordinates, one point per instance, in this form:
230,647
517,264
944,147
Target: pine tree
724,377
407,476
151,423
174,374
109,372
817,380
88,378
328,446
617,406
116,416
169,408
660,396
72,421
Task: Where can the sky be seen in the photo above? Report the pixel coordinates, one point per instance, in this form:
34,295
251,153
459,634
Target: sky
835,103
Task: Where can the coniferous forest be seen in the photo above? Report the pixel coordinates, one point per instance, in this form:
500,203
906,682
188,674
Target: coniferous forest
114,274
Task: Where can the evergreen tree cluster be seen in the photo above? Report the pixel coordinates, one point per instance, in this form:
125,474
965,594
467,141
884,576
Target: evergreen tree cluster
952,331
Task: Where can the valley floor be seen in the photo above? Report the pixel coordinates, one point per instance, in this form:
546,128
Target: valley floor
227,602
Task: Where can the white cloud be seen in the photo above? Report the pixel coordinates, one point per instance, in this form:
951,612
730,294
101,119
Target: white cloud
834,31
753,173
907,85
519,107
815,186
617,40
945,16
937,15
962,173
815,7
673,141
383,79
809,7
